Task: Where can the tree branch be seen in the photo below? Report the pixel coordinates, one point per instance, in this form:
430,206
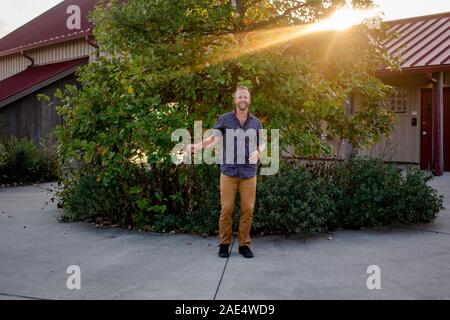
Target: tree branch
251,4
266,23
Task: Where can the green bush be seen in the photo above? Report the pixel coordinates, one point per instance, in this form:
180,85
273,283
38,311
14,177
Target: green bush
375,193
22,161
120,202
149,198
292,201
204,216
88,199
301,198
371,193
419,201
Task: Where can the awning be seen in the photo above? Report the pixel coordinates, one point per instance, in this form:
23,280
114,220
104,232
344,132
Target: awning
35,78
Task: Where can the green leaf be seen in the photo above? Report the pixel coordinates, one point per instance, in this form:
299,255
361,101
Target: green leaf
58,93
142,203
135,190
43,97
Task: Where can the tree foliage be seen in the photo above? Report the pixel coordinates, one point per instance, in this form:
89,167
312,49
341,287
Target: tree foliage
187,56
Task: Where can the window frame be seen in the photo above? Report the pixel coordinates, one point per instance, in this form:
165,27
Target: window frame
397,101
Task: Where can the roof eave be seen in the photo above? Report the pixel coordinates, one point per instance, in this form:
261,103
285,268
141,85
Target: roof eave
80,35
417,70
403,20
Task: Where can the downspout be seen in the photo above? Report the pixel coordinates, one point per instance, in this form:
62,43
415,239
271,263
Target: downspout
436,131
89,41
29,58
441,121
94,44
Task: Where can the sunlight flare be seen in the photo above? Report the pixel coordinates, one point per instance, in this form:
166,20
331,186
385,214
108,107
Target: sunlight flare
344,18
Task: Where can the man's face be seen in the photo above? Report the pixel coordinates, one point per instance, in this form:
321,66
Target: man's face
242,99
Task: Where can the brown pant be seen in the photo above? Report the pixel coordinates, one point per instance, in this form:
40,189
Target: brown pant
229,186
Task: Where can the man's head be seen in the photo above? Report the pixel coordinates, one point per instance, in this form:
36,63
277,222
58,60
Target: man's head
242,98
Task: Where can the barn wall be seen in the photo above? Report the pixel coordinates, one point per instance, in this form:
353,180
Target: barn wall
28,117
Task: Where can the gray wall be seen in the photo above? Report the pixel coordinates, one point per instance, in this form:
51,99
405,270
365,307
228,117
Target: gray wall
28,117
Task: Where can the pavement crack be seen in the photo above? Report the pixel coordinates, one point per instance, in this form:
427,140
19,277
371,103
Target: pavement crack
21,296
224,268
425,230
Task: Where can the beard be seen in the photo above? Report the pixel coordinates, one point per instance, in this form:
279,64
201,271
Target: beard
242,106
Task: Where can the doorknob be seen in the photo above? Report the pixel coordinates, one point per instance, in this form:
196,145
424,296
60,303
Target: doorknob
424,133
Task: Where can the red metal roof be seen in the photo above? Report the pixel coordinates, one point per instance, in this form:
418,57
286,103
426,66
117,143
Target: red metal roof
50,27
35,75
424,42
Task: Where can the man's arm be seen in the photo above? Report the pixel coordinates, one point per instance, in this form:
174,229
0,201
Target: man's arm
211,140
256,155
261,147
205,144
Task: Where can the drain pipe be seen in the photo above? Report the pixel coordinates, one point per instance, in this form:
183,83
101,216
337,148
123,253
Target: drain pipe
89,41
29,58
436,131
94,44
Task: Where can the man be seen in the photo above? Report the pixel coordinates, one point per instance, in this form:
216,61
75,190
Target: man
237,175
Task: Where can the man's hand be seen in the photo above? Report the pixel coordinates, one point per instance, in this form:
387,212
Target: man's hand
254,157
192,148
205,144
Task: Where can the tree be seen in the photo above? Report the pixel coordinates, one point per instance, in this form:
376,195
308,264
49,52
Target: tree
167,63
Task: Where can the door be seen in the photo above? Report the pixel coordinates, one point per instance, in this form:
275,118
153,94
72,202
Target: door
426,130
446,129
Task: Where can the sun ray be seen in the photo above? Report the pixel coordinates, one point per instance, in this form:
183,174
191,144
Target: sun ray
251,42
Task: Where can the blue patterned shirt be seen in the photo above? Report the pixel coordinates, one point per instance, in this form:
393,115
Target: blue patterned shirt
230,126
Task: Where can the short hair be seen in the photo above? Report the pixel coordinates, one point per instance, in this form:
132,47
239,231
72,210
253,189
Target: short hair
241,87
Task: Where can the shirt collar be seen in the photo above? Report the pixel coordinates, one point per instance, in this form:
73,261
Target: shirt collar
249,114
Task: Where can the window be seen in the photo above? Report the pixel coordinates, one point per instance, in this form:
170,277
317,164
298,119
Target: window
397,101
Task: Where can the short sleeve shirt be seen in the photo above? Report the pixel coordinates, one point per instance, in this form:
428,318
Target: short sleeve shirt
239,141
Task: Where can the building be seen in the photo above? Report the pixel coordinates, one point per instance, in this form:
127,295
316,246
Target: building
39,57
422,93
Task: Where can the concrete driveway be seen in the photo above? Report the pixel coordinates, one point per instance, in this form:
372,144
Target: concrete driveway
36,252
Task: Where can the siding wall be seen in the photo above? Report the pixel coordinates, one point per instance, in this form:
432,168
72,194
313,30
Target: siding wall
16,63
28,117
403,145
10,65
62,51
341,148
